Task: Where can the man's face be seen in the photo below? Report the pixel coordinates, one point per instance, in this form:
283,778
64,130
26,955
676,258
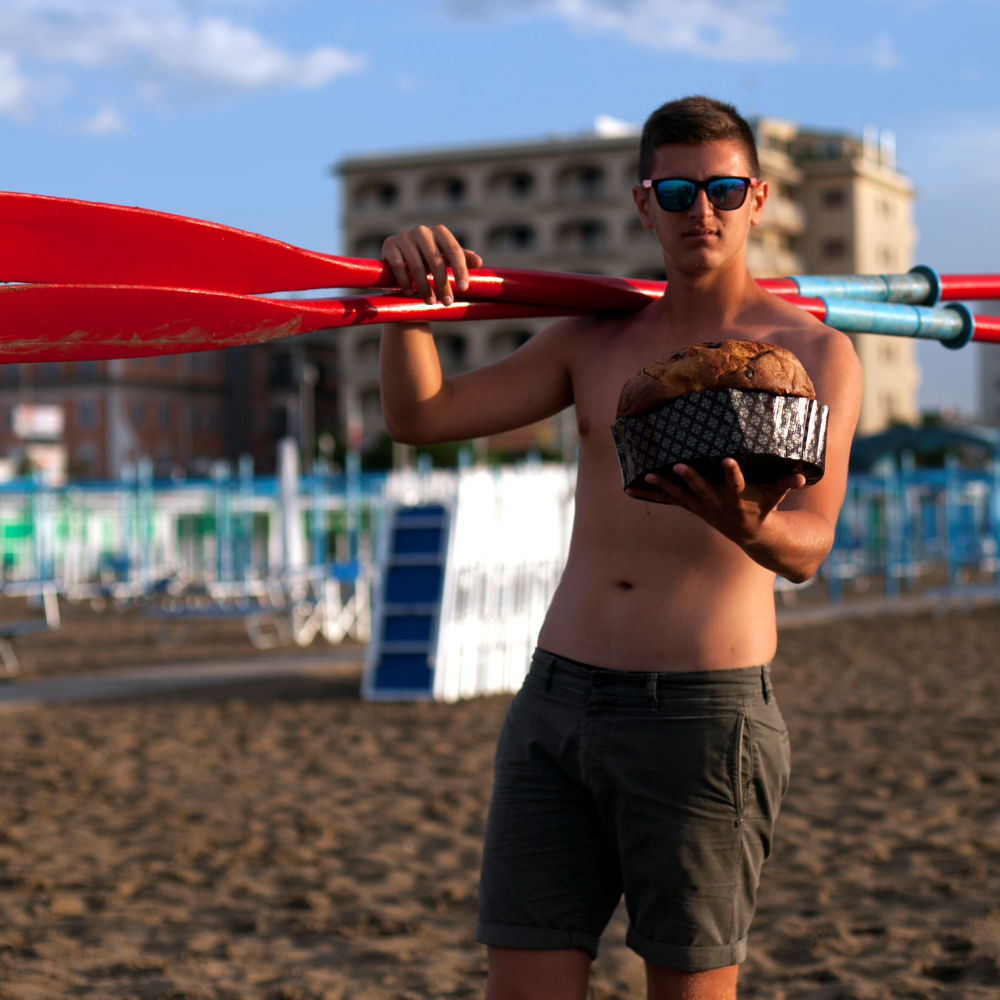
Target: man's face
701,238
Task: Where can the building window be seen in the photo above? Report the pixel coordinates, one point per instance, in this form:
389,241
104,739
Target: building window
85,415
834,248
511,238
833,198
514,185
163,416
454,348
370,245
443,192
138,412
508,341
378,195
581,183
584,236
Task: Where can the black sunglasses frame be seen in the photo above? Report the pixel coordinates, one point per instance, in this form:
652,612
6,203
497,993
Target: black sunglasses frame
748,183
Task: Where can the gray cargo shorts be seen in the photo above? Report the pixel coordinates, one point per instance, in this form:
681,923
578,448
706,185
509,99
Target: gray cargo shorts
661,786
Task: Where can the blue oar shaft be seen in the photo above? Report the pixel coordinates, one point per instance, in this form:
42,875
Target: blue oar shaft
953,325
914,289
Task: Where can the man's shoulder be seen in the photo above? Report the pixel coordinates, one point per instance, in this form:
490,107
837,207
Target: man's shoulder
790,325
574,333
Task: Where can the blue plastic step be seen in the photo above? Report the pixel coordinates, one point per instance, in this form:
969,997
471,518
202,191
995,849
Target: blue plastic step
408,606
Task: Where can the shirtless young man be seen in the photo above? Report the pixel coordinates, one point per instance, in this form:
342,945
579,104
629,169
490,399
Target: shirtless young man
646,752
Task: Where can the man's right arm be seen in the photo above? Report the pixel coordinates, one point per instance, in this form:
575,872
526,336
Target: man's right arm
419,404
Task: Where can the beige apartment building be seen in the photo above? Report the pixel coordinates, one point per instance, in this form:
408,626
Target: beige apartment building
838,205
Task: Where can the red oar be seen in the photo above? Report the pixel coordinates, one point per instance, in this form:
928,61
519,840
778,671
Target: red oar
98,322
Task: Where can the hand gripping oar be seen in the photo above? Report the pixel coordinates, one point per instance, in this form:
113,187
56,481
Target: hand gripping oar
46,239
94,322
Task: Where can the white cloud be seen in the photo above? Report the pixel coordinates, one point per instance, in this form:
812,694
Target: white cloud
609,127
105,121
163,49
15,90
882,54
725,30
214,53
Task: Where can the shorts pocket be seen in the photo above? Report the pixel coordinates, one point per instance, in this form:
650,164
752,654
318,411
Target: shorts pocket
741,763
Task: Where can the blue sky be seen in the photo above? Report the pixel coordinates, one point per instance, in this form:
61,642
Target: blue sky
235,110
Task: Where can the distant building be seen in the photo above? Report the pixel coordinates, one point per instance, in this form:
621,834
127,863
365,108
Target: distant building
182,412
838,204
167,409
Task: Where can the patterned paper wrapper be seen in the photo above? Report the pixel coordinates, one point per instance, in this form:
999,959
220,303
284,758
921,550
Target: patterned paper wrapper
769,435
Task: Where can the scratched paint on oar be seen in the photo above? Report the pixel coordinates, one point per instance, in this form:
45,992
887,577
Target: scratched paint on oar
101,322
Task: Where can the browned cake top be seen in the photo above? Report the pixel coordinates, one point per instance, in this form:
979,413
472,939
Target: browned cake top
752,365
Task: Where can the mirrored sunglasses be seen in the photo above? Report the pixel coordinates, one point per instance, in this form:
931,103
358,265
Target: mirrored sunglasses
675,194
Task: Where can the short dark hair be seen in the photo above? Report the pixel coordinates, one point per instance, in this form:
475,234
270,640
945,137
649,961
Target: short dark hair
692,121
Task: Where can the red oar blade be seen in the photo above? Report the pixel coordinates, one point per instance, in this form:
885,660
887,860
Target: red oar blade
100,322
96,322
62,240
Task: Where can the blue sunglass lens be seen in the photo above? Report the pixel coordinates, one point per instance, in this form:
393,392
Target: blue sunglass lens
726,192
675,196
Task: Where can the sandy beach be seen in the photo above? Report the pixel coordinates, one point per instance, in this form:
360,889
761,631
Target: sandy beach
282,840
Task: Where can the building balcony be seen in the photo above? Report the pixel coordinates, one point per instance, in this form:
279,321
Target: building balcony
788,216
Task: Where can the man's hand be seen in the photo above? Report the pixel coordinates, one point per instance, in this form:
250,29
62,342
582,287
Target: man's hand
420,259
734,507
